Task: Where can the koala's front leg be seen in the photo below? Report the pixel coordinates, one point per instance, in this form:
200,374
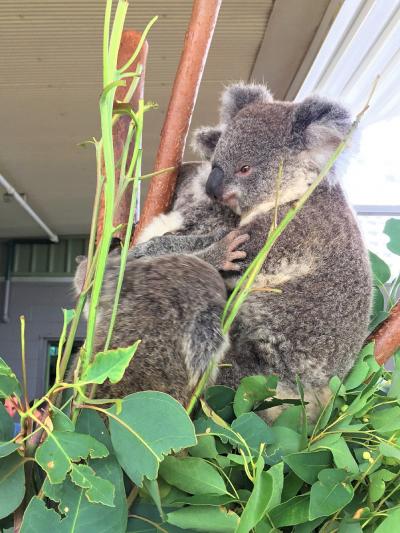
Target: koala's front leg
171,244
223,253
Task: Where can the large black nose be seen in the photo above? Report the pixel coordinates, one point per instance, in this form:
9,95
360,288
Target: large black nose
215,183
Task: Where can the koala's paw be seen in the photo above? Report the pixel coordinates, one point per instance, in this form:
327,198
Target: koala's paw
229,248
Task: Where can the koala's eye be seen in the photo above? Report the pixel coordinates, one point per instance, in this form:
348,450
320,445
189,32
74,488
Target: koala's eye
245,169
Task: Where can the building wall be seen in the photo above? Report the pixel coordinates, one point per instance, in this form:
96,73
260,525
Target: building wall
41,302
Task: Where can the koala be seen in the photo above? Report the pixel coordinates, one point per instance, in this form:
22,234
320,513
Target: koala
174,305
195,225
315,327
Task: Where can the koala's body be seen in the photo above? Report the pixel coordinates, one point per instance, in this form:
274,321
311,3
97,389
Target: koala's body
315,327
195,225
173,304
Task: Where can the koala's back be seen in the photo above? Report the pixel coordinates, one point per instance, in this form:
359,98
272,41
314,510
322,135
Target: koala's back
317,325
173,304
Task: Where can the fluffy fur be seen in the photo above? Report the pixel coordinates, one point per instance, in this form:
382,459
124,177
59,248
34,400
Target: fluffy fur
316,326
173,304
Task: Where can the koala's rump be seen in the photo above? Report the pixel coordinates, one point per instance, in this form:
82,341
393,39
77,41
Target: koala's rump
158,300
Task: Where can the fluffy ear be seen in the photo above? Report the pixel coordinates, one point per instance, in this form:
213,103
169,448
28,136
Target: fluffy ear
320,124
239,95
205,140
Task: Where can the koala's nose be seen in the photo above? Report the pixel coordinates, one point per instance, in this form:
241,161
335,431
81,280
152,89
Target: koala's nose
215,183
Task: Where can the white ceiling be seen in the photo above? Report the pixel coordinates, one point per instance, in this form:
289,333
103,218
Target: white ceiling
50,80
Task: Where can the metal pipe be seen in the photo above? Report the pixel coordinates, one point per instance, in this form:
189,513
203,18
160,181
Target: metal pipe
10,189
7,282
183,98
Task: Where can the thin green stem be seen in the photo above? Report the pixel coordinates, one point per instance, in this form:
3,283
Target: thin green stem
23,362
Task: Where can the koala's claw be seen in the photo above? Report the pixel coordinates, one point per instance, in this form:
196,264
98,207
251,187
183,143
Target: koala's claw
233,240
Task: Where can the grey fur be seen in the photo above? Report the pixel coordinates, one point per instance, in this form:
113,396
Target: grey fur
316,327
173,304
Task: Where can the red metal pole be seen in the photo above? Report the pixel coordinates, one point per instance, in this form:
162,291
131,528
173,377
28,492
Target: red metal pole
183,98
129,42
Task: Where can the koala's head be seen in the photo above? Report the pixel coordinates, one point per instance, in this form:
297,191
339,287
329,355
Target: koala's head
258,135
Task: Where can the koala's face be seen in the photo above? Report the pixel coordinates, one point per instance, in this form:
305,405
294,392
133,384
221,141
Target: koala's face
248,156
258,137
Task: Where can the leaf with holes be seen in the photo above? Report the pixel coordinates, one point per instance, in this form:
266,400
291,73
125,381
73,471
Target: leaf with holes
98,490
109,365
149,426
56,453
252,391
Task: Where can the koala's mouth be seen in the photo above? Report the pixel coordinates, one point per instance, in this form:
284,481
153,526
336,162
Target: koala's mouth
230,199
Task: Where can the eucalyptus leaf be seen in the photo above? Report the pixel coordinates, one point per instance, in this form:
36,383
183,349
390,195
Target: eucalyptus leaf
109,365
193,475
380,270
307,465
377,483
330,494
292,512
12,483
392,230
205,447
390,524
9,384
99,490
6,425
252,391
150,425
254,431
201,518
56,454
259,500
220,399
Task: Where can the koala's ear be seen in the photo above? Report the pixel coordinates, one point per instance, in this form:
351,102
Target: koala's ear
205,140
320,124
239,95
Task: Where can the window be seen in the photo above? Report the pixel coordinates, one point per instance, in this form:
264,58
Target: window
52,353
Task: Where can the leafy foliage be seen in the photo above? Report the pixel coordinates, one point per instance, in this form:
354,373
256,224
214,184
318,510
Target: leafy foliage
151,468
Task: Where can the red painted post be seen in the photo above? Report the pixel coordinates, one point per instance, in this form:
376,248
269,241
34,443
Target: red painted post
183,98
129,41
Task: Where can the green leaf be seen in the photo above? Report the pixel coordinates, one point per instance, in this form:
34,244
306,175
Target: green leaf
12,483
153,489
109,365
380,270
284,442
290,418
98,490
330,494
80,514
193,475
212,499
394,391
38,518
91,423
292,512
388,450
378,303
200,519
308,527
61,422
252,391
376,487
392,230
56,453
6,448
307,465
391,523
259,500
254,431
205,447
291,486
9,385
342,455
386,420
6,424
220,399
150,425
358,374
276,472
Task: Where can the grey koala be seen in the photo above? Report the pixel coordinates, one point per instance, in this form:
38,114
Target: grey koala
174,305
316,326
195,225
